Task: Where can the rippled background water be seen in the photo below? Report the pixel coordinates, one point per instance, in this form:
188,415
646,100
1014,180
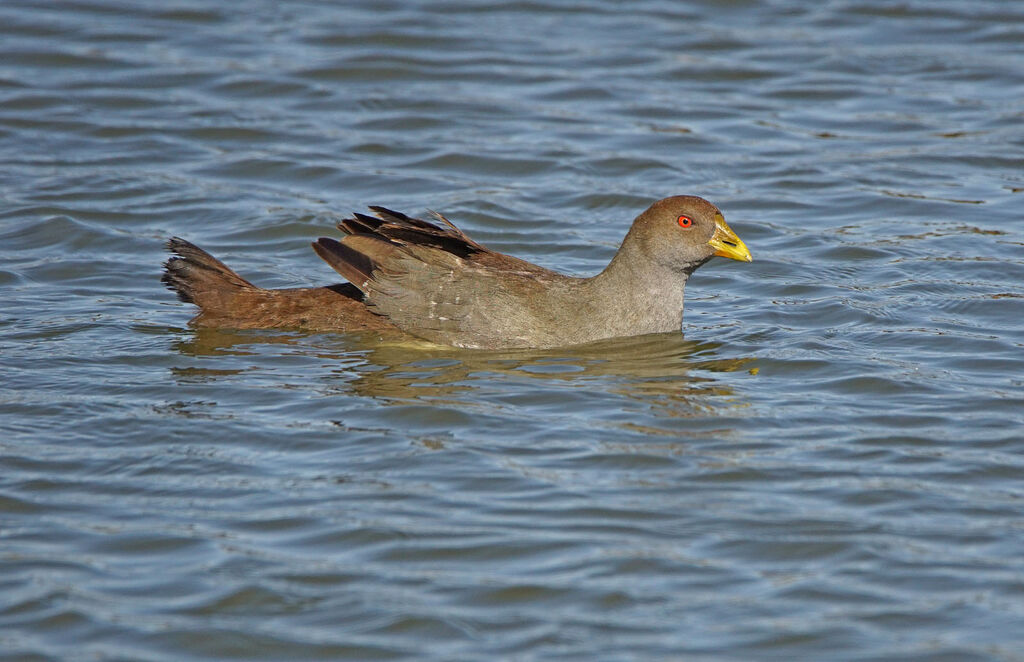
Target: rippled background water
827,464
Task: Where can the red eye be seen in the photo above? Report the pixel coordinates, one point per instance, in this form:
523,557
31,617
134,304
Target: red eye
685,221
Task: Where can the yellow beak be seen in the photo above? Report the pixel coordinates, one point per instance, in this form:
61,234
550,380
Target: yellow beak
727,244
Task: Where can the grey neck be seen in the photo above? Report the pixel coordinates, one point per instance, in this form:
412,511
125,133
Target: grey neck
639,297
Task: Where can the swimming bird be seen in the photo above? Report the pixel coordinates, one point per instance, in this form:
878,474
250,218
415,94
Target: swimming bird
430,280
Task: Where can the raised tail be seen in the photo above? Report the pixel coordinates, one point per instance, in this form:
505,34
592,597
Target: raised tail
226,300
200,278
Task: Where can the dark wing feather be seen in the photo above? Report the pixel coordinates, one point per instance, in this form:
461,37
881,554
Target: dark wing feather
398,218
351,264
399,229
440,240
360,224
371,242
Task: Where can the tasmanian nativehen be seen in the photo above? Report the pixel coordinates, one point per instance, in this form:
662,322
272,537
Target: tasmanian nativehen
407,275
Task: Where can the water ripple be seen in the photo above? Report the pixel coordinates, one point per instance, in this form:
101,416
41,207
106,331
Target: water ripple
824,465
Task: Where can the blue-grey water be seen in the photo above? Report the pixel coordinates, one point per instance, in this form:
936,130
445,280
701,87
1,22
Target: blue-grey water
826,464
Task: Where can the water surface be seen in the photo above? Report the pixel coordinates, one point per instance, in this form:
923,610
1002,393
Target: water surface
827,463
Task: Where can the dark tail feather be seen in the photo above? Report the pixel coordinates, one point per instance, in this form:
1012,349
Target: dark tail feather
197,276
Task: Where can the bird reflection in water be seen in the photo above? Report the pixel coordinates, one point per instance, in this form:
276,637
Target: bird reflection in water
663,371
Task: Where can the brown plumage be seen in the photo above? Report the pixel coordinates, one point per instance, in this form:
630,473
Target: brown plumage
226,300
434,282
